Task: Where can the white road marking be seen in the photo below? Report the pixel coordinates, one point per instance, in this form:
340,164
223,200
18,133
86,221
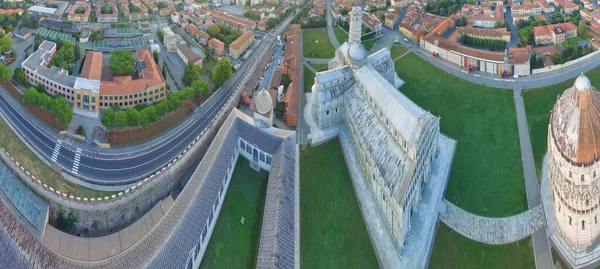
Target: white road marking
75,168
56,150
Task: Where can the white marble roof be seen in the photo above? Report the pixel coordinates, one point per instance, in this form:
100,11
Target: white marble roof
402,113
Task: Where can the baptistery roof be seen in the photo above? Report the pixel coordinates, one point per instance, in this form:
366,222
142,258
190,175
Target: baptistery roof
264,103
575,122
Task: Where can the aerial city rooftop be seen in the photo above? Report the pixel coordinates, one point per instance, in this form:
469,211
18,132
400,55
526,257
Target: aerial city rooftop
299,134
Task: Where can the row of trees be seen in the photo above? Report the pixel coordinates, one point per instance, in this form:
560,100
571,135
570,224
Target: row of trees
134,117
444,7
58,105
482,42
571,53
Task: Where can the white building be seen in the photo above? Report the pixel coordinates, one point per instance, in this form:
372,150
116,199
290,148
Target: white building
573,166
395,139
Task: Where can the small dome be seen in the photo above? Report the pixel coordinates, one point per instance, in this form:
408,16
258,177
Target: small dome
357,52
582,83
263,102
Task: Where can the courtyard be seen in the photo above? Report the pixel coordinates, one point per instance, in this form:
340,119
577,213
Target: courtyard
332,227
316,44
233,244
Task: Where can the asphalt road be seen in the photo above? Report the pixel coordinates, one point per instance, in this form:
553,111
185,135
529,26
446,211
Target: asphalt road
130,166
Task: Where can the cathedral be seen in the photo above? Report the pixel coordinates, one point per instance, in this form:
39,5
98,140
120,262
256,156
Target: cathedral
395,139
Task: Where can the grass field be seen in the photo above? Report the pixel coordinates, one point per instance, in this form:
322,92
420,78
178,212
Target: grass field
316,44
233,244
538,103
319,67
26,158
333,232
487,174
397,51
309,79
340,34
370,44
454,251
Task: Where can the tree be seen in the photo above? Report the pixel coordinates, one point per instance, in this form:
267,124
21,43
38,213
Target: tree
61,109
200,86
581,30
162,108
65,56
121,62
19,76
5,43
31,96
108,120
96,35
149,113
191,72
163,70
5,72
155,55
463,22
80,10
106,10
222,71
213,30
121,119
134,117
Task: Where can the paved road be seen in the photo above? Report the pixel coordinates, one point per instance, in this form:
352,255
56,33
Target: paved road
530,82
125,165
541,247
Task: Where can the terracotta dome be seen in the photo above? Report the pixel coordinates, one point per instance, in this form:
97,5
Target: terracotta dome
575,122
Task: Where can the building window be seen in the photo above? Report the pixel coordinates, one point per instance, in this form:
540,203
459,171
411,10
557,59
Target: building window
570,174
130,96
582,177
93,99
111,98
269,159
121,97
78,96
570,220
583,224
162,94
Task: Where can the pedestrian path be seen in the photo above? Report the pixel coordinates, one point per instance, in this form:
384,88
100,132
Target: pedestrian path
493,231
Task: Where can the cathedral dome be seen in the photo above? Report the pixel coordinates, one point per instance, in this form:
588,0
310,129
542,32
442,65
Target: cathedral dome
357,52
575,123
263,102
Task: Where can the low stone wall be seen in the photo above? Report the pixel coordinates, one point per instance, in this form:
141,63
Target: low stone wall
567,64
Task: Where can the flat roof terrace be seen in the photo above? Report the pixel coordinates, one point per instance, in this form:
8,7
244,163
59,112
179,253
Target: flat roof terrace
124,44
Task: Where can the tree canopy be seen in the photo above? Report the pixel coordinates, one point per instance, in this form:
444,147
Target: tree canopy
5,44
58,106
5,72
222,71
65,56
191,72
121,63
80,10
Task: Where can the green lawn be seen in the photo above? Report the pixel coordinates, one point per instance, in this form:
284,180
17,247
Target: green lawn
538,103
333,232
487,174
316,44
397,51
233,244
370,44
320,67
26,158
340,34
309,79
454,251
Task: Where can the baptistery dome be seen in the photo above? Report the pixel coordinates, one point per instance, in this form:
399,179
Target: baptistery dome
573,167
575,122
